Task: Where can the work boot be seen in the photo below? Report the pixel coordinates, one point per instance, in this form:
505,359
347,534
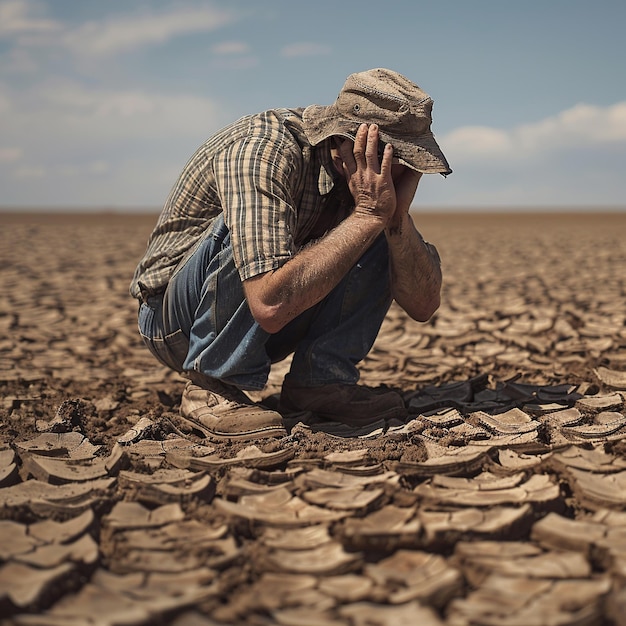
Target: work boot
221,411
353,405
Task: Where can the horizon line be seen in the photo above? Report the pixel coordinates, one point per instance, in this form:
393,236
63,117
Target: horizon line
146,210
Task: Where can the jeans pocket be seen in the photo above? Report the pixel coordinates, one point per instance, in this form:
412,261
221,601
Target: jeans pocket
170,350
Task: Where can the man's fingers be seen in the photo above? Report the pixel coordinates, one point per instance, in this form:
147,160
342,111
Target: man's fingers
366,149
371,149
385,164
360,145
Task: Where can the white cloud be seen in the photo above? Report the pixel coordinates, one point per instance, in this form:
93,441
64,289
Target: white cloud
10,155
574,158
64,100
231,47
26,23
77,143
29,173
19,61
234,63
582,124
69,100
99,167
19,17
581,127
233,56
476,141
305,49
128,32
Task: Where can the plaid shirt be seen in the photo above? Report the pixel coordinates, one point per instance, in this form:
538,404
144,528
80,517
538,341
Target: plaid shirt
272,186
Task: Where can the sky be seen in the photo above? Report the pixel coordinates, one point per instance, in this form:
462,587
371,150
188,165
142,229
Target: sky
103,101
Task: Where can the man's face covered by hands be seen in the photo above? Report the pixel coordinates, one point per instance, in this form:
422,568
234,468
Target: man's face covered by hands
345,144
379,183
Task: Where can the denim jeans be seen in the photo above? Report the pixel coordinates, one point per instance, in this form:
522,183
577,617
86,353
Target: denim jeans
202,322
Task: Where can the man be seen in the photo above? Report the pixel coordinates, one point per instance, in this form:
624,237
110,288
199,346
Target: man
288,232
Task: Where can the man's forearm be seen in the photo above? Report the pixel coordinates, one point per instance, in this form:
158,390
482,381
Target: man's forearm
415,270
277,297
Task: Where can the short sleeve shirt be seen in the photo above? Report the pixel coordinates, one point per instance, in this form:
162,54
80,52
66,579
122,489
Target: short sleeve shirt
271,185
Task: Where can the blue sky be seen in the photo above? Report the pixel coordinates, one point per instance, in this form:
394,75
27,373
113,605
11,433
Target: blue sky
102,102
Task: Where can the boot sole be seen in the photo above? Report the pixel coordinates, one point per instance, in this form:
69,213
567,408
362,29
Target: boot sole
216,435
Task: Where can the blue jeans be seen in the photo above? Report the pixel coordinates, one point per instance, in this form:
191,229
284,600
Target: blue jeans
202,322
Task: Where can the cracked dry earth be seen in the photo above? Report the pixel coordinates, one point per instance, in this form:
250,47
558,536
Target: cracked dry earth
501,501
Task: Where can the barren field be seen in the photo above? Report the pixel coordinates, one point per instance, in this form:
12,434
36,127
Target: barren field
501,501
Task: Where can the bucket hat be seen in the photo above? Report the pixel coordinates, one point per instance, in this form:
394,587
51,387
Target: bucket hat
401,109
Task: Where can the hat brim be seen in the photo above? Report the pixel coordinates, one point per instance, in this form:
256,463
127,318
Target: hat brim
420,153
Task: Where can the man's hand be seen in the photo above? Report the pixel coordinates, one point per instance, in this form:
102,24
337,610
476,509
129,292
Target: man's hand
369,179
